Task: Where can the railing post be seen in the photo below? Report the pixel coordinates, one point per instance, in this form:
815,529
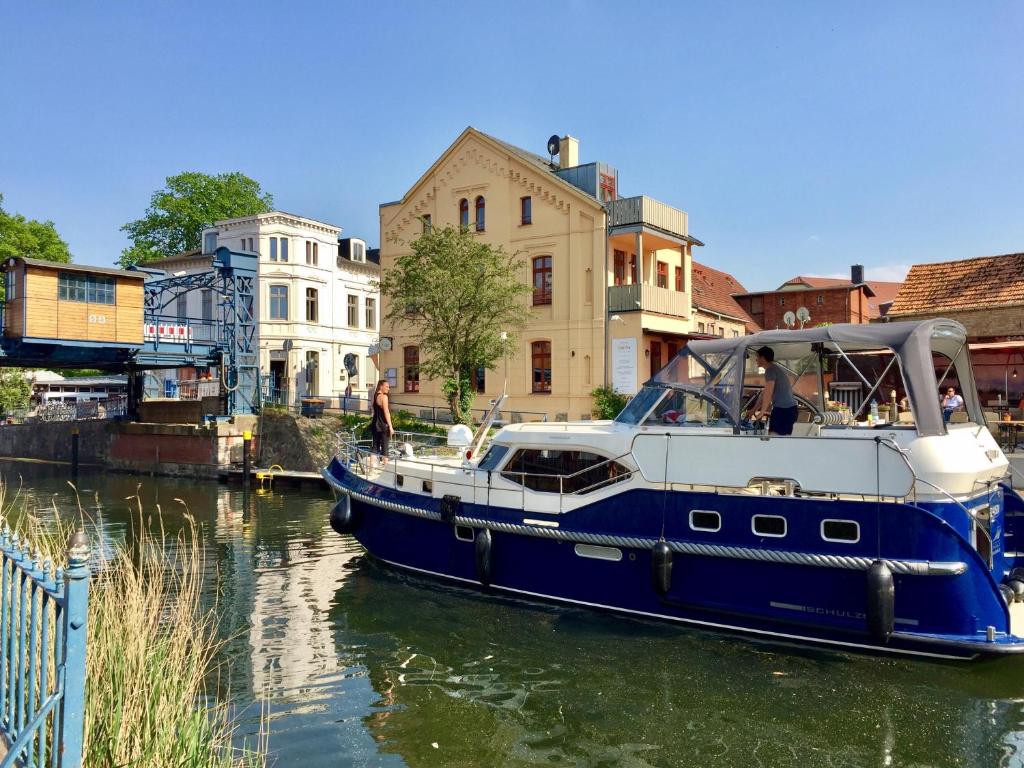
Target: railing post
76,608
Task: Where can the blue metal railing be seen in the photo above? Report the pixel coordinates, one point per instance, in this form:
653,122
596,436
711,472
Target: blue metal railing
42,654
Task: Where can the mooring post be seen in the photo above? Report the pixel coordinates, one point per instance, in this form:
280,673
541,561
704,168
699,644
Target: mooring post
246,450
76,611
74,453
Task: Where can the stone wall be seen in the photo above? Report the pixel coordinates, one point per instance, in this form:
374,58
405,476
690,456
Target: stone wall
52,441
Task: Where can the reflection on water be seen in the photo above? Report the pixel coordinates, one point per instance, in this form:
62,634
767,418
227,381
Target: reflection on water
362,666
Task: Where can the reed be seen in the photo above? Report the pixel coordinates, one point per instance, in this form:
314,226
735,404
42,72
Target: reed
151,657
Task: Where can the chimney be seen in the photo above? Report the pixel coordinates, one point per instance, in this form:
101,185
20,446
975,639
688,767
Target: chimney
568,152
857,274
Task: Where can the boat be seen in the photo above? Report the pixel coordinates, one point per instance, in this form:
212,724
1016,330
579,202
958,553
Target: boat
870,528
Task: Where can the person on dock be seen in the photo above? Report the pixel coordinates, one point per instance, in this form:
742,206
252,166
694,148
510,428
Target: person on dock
380,424
776,401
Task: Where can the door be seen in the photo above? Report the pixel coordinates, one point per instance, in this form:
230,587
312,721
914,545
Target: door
278,382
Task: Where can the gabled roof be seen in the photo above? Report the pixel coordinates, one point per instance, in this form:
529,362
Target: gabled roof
978,283
713,290
66,267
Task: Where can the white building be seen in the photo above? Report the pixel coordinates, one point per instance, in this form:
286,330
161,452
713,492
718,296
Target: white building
317,306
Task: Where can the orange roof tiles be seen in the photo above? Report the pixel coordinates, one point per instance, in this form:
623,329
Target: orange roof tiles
713,289
958,285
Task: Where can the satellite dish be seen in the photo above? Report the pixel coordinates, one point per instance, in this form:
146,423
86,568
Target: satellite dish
789,319
554,144
803,315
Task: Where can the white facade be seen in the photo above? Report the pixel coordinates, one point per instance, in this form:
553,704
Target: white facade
314,306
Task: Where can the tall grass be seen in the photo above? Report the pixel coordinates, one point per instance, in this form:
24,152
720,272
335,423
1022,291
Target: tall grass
151,654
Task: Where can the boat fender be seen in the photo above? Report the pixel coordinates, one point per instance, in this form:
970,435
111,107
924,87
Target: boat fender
343,519
483,556
881,599
661,567
1018,589
450,507
1007,593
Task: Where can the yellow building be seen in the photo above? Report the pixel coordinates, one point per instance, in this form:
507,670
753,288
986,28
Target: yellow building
612,295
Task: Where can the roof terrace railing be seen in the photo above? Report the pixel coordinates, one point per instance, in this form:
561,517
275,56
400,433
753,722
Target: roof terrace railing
646,210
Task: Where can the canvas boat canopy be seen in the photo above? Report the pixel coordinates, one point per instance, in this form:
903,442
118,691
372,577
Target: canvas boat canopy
927,354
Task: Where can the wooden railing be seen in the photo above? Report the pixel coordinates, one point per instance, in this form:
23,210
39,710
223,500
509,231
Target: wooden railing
647,210
648,298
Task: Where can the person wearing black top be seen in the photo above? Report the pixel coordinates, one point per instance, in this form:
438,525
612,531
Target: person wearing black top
380,423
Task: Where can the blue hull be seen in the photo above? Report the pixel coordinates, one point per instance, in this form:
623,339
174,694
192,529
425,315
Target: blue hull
796,588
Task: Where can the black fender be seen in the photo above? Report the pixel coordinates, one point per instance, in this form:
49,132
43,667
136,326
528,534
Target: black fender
881,600
484,556
343,517
661,567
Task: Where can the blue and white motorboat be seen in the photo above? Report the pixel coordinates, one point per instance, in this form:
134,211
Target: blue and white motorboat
891,534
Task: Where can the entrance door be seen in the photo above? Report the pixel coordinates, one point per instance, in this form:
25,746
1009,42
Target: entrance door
278,382
312,374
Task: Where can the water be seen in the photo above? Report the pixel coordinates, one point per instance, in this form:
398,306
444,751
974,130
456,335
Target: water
361,666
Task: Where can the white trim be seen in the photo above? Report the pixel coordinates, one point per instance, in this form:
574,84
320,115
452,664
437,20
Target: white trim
706,512
821,530
785,527
544,523
660,616
595,552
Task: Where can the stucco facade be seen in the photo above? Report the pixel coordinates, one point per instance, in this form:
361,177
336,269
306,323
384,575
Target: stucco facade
596,307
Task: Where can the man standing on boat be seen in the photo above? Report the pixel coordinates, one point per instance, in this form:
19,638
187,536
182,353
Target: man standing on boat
776,401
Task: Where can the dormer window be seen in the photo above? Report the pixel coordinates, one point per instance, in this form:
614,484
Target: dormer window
358,252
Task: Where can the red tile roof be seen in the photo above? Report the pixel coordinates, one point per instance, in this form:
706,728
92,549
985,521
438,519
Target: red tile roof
814,282
713,290
959,285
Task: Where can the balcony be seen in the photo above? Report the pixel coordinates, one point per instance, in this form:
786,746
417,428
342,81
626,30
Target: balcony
646,211
648,298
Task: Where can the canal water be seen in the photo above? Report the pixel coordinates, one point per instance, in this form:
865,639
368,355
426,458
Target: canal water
360,666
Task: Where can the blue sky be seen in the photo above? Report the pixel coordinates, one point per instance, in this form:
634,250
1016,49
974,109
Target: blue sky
800,137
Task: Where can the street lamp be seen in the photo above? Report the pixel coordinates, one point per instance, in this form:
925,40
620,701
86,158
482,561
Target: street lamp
504,340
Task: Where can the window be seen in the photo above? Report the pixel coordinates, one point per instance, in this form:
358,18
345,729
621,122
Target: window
480,380
182,306
702,520
412,369
662,274
284,249
10,285
464,213
679,278
821,298
427,225
655,357
273,249
607,183
588,286
278,300
371,313
673,349
541,280
619,261
312,253
566,471
840,531
311,305
782,301
71,287
735,334
700,327
479,213
769,525
721,331
207,303
100,290
634,271
540,355
526,210
353,311
210,242
358,252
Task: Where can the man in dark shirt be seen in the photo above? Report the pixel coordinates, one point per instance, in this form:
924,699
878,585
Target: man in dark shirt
777,396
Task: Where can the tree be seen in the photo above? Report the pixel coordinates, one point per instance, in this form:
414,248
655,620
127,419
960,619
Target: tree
30,238
459,294
14,389
178,213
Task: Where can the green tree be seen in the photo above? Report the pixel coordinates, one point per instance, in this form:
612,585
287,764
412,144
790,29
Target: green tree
177,214
14,390
458,294
30,238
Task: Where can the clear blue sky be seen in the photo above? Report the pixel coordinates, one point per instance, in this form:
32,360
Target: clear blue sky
800,137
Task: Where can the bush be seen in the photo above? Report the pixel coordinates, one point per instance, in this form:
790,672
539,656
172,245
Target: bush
608,403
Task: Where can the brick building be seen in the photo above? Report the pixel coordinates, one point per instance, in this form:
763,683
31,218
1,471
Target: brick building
827,300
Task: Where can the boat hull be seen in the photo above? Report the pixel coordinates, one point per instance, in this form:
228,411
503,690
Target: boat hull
791,589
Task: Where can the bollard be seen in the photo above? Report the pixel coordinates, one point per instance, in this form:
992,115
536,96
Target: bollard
74,453
246,449
76,590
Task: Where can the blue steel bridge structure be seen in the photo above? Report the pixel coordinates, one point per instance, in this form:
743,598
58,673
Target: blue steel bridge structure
227,340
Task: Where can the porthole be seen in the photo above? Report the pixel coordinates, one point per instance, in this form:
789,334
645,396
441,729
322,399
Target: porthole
705,520
841,531
769,525
463,533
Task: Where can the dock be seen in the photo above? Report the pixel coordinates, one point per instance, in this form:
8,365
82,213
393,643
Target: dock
276,476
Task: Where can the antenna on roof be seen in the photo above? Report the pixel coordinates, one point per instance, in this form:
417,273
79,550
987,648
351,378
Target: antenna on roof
554,146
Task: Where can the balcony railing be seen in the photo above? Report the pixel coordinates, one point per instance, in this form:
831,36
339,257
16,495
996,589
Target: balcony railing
646,210
647,298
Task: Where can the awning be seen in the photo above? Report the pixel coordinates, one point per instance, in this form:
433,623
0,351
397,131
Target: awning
982,345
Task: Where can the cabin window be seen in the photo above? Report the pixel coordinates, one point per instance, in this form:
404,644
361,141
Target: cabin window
680,408
841,531
428,486
703,520
71,287
464,533
772,526
566,471
493,457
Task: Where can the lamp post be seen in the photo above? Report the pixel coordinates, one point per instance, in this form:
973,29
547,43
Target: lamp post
504,341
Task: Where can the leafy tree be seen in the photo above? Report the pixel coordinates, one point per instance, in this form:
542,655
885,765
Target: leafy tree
608,403
30,238
14,390
459,294
177,214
